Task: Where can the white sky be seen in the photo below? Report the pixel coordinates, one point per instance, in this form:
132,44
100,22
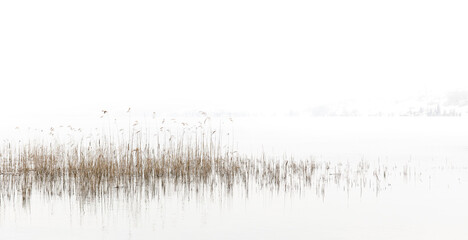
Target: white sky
76,56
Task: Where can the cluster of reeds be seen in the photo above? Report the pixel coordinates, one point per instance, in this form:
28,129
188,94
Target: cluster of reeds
154,156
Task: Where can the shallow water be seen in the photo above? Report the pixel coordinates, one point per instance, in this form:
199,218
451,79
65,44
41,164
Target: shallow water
423,196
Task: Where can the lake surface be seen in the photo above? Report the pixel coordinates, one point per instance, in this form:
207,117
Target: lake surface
423,195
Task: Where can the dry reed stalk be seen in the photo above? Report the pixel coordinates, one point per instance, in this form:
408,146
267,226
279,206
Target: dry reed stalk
154,157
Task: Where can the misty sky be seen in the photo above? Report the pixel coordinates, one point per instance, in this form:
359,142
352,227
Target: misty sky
230,55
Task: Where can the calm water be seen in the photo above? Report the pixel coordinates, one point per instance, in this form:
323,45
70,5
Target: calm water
424,195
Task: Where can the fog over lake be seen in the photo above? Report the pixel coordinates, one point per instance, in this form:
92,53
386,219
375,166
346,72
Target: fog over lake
233,120
423,188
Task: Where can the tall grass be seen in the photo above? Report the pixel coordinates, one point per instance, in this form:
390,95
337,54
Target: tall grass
156,155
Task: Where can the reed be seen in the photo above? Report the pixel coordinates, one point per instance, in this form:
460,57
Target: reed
153,156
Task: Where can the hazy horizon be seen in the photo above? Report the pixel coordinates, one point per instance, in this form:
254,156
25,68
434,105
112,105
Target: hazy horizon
231,56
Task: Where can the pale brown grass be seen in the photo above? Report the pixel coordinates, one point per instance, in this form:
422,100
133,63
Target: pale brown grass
154,156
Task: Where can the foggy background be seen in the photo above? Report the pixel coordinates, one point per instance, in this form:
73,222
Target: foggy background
72,58
395,72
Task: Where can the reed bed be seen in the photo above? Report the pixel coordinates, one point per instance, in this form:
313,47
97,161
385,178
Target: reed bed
158,155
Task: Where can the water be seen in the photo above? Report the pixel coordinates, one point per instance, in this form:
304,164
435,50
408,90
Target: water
424,195
342,138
